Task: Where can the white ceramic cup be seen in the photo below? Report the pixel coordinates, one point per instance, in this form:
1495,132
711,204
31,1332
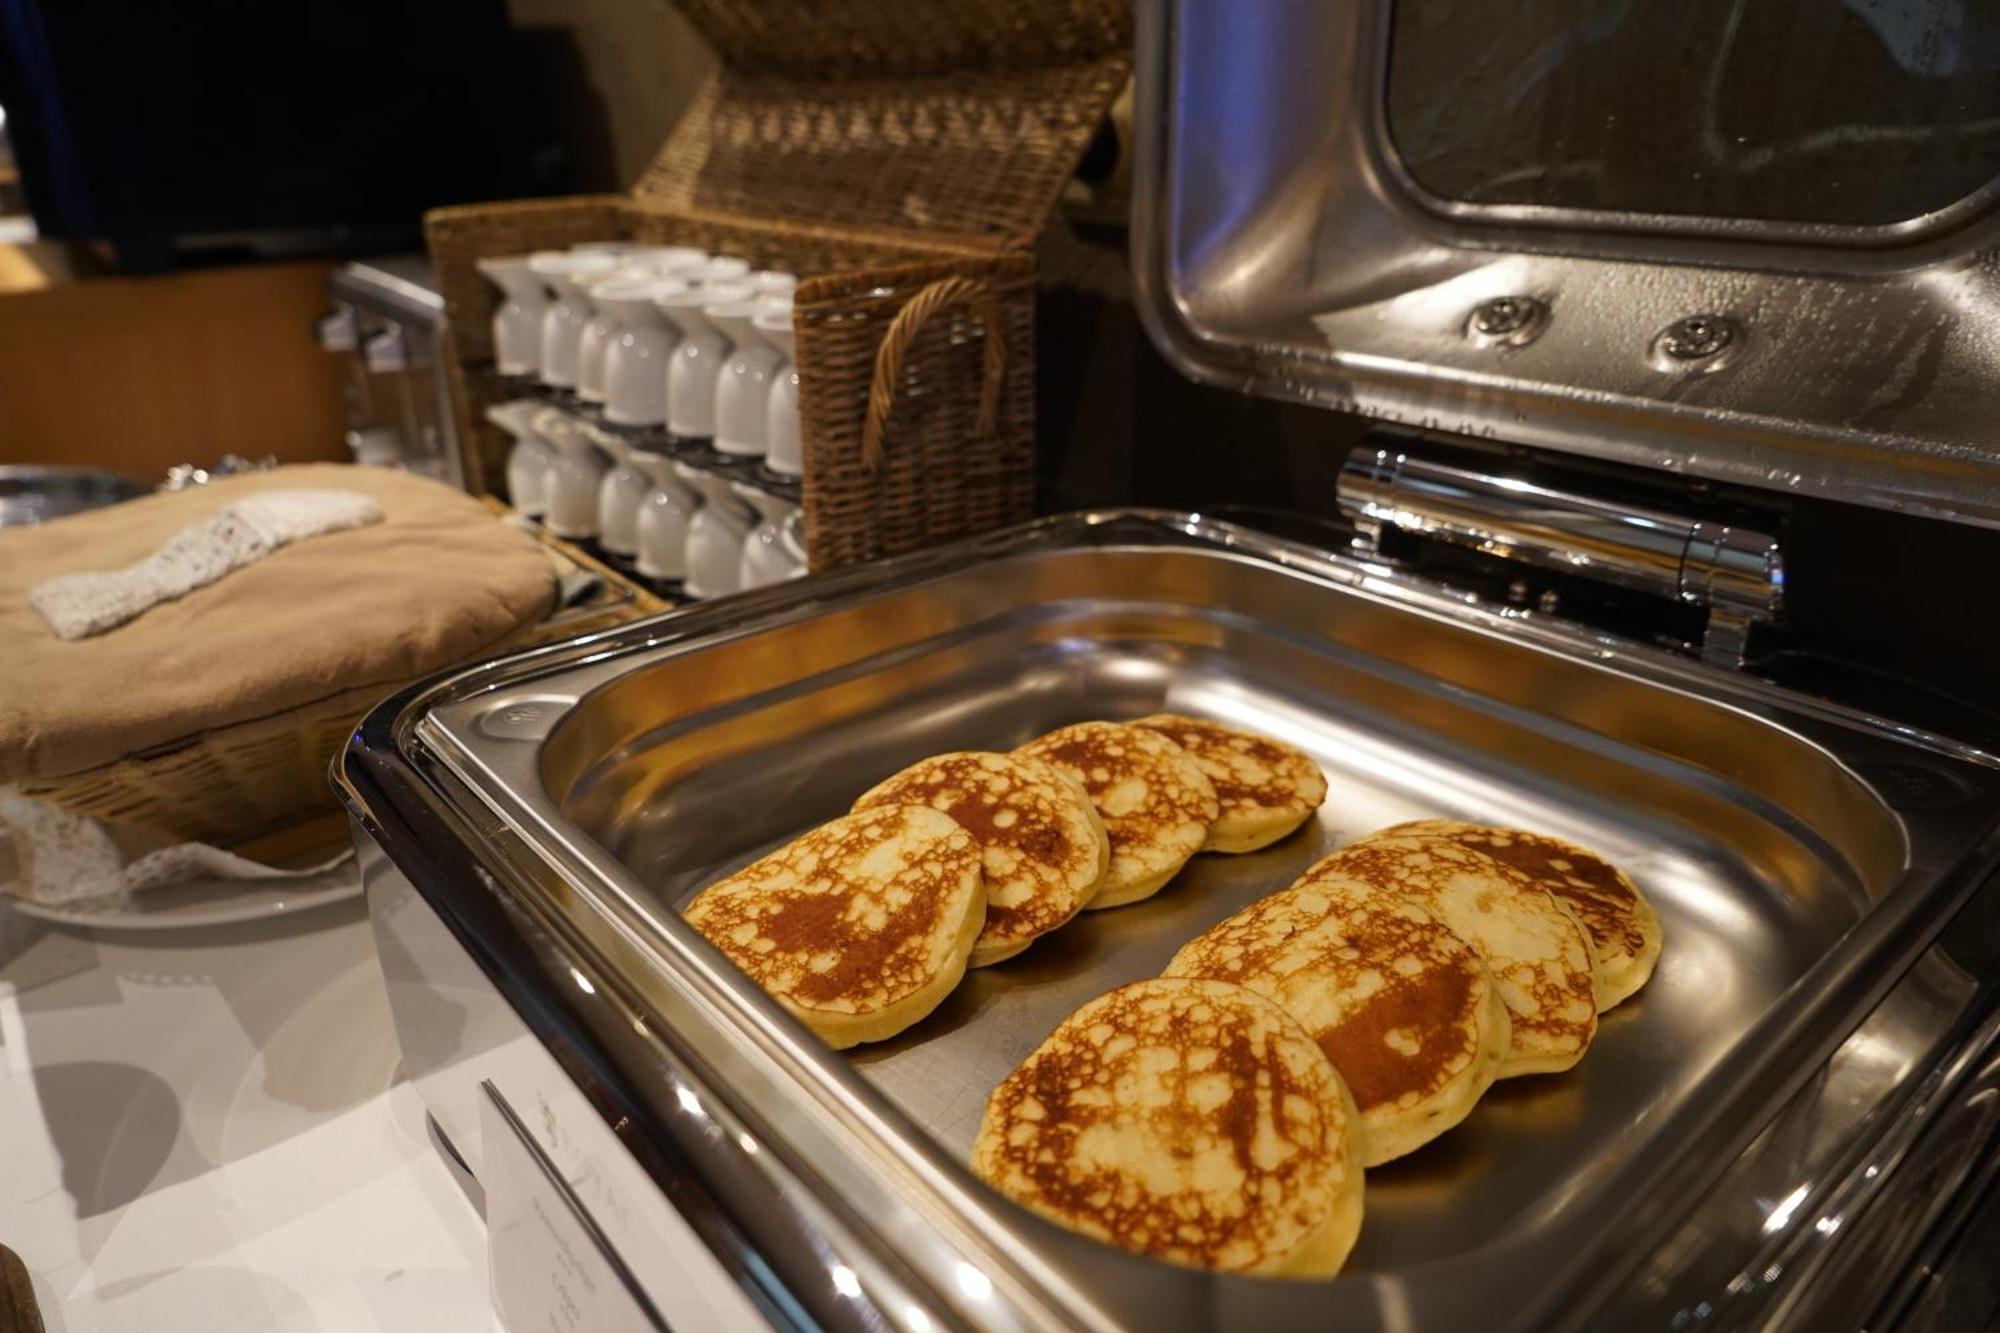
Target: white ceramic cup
639,350
743,386
773,282
784,451
527,459
717,269
590,350
619,495
575,472
668,260
663,521
792,537
563,320
715,534
765,560
692,370
517,324
597,330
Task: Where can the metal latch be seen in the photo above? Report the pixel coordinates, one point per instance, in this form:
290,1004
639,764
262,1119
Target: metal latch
1737,574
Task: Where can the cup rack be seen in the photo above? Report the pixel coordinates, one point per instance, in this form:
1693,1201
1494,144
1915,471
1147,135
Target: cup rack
696,454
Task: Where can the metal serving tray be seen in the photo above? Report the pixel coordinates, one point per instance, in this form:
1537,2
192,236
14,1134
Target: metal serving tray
1800,857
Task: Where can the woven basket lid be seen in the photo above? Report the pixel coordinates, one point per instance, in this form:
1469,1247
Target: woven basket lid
957,118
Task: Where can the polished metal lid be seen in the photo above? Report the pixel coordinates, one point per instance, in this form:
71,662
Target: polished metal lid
1751,243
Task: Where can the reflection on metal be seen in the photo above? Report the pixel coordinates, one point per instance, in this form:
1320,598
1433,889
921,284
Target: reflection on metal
1780,1216
1737,574
1543,112
35,493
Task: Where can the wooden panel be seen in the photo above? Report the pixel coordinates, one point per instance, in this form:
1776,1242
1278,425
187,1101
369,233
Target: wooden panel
136,374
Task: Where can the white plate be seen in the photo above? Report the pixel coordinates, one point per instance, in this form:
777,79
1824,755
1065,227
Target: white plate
212,902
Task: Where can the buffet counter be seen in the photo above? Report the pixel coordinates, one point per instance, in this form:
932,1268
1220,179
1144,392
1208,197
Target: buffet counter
208,1129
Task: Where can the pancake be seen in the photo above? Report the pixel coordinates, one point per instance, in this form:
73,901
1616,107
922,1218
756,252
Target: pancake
1264,788
1538,953
1405,1010
1156,804
1625,931
860,927
1042,846
1193,1121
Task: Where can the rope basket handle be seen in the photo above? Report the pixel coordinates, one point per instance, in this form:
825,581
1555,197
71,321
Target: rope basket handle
902,333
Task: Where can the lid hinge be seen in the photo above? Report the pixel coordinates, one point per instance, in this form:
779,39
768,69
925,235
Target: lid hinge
1734,573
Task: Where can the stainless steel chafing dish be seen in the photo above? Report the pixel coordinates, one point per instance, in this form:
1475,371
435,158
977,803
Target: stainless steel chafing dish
1786,1129
528,828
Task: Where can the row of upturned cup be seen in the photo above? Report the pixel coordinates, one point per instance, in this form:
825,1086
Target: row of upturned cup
675,523
658,336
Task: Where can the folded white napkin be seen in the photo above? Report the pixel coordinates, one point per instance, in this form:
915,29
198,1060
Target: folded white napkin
246,530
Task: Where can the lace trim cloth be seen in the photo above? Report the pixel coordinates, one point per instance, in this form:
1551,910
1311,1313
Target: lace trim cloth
241,532
63,858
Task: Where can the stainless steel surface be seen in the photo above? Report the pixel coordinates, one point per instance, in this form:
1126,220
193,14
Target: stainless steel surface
1598,132
36,493
1737,574
1277,248
1821,1223
181,476
388,327
1507,321
400,285
597,785
1699,342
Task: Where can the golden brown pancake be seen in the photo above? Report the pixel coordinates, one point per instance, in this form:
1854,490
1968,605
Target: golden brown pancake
1403,1007
1193,1121
1625,932
860,927
1042,846
1156,804
1538,953
1264,788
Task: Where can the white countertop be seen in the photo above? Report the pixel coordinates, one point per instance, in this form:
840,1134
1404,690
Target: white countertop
206,1130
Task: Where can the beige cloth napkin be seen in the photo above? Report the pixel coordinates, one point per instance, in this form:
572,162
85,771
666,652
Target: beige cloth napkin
434,583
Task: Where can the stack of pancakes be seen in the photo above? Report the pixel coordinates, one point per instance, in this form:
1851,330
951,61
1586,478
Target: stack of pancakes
1220,1115
1185,1118
862,927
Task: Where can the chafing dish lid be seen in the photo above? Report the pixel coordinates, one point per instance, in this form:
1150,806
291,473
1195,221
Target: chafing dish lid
1757,247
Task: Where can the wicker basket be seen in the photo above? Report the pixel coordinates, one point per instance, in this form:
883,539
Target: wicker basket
901,159
253,779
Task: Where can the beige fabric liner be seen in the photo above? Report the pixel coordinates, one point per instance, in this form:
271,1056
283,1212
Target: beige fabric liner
438,580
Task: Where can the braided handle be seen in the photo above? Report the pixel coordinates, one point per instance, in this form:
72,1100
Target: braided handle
903,331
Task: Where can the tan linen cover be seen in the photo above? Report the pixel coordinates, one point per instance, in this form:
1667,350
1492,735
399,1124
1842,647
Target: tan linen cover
436,581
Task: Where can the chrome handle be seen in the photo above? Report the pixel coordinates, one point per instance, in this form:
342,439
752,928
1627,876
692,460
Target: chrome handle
1736,573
